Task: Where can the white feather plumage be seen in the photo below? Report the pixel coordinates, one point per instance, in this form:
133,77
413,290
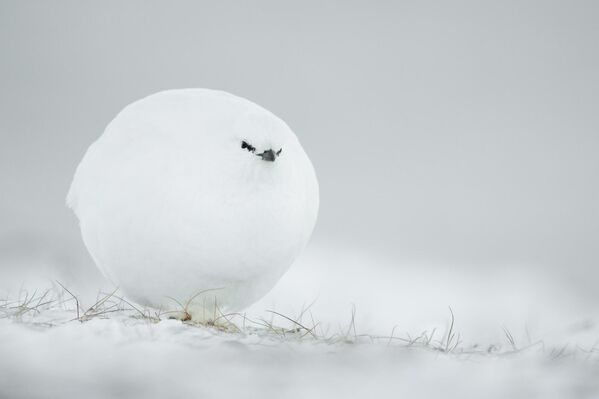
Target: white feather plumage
170,205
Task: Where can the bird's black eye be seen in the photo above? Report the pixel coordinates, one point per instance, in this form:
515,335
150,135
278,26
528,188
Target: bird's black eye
247,146
279,152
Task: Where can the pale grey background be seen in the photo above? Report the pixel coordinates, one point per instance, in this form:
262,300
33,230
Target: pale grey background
456,133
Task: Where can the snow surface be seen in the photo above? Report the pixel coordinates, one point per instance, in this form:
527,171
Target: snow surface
396,345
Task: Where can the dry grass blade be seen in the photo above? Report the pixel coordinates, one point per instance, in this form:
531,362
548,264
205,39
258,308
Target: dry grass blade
449,340
190,300
308,330
510,338
74,297
352,324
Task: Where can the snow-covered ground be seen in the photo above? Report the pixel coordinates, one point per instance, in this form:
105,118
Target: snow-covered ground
364,326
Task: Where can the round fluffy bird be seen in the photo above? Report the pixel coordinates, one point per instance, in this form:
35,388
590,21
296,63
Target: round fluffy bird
195,195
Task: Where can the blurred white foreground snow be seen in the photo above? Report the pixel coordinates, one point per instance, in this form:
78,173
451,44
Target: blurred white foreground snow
509,341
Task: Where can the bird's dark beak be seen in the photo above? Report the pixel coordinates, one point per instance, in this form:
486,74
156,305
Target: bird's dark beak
268,155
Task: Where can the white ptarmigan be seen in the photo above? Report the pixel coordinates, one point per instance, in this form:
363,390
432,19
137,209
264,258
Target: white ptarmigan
195,191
